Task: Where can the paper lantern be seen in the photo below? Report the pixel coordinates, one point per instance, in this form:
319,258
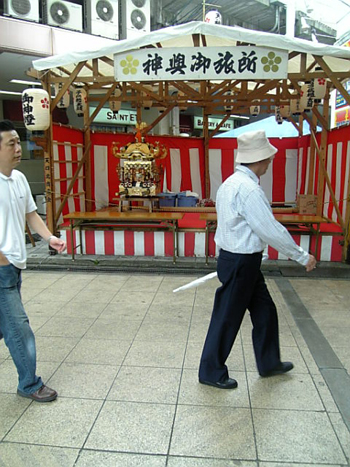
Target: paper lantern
278,115
63,103
36,109
213,17
115,105
254,109
80,101
295,108
307,96
228,108
285,111
320,88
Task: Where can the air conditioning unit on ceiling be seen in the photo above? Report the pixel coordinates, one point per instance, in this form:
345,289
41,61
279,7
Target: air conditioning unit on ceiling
135,18
102,18
63,14
23,9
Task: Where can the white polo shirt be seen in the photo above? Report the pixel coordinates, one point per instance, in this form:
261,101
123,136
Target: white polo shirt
15,202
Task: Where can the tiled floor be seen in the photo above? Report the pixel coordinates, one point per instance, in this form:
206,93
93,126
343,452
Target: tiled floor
122,351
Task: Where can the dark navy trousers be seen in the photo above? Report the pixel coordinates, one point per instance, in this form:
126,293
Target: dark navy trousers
243,287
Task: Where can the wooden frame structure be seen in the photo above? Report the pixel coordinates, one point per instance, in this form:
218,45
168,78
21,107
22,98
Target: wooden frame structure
305,62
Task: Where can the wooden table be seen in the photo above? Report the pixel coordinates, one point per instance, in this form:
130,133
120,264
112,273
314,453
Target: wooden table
132,220
295,223
153,201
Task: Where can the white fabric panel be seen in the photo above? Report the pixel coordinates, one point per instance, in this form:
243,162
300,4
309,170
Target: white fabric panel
139,243
326,249
175,170
80,180
199,244
99,242
181,238
305,242
215,174
300,162
159,243
291,174
119,243
195,172
338,177
101,176
329,171
347,169
307,170
69,172
266,182
165,186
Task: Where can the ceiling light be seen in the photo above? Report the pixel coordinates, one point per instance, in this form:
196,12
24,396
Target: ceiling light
240,116
12,93
21,81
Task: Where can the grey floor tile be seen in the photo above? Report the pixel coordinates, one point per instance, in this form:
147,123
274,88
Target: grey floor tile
54,349
160,354
56,294
81,310
12,408
80,380
109,459
343,354
136,298
133,427
171,313
195,462
39,308
337,336
99,351
116,330
218,432
342,432
299,431
181,300
162,330
324,393
24,455
289,391
194,393
65,327
116,312
9,376
95,296
62,423
139,283
138,384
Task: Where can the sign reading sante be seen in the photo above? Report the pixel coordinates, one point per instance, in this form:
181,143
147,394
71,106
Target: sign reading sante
197,63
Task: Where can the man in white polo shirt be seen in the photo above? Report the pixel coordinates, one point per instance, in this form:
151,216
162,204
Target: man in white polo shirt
245,226
16,207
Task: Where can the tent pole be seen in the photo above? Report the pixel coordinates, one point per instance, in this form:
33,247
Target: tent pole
87,149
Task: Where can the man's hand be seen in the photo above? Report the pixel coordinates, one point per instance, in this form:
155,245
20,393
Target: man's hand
311,264
3,260
57,243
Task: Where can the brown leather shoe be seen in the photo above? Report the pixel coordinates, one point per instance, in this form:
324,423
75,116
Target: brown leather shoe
43,394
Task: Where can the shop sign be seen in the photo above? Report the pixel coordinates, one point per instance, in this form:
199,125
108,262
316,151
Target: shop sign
198,63
212,124
122,117
342,116
339,100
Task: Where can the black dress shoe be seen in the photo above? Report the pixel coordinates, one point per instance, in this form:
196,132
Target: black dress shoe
281,368
228,383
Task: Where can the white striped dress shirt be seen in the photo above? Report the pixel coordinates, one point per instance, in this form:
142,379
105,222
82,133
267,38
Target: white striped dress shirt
246,223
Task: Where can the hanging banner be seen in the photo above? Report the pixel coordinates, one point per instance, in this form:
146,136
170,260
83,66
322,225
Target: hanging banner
198,63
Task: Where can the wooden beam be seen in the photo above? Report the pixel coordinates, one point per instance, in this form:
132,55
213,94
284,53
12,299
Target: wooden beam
66,85
223,121
103,100
206,155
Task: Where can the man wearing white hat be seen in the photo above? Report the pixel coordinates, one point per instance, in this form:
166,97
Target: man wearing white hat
245,225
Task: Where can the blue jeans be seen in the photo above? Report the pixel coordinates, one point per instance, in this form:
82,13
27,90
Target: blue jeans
15,329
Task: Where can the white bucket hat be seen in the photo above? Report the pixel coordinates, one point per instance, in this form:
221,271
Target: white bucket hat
253,146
